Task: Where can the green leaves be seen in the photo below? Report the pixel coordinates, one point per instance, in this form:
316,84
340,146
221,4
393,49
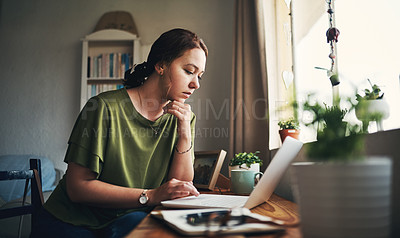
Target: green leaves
245,158
336,139
370,95
291,123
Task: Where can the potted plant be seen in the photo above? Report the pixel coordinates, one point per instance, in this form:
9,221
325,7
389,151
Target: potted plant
289,127
372,107
244,160
341,192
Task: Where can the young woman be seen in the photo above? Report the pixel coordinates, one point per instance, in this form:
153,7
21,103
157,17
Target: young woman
131,148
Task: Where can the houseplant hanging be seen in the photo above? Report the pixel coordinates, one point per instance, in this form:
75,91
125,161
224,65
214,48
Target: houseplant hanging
340,192
289,127
244,160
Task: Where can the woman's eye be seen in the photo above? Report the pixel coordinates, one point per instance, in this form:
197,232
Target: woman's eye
188,72
191,73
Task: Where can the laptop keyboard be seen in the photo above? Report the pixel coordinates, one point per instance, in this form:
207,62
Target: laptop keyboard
223,201
207,201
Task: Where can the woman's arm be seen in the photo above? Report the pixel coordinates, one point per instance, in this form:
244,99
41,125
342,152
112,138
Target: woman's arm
83,187
182,166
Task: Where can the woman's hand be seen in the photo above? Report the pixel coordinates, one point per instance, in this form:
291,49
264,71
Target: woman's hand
172,189
183,112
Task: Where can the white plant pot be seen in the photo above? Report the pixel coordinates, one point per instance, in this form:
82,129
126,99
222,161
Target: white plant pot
253,167
348,199
371,107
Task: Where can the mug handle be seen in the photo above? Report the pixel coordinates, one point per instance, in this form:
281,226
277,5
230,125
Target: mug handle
258,179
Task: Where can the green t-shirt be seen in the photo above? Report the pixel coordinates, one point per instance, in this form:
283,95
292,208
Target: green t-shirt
117,143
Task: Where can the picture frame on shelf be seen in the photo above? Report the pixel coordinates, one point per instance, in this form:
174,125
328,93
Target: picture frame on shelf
207,166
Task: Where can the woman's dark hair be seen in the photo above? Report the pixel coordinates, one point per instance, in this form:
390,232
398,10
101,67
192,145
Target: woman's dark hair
169,46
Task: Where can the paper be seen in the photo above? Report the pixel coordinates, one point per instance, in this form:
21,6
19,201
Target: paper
177,219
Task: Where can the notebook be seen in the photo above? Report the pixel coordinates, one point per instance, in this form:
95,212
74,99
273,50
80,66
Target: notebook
261,193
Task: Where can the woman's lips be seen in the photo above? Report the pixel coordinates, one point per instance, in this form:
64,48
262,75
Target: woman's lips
187,94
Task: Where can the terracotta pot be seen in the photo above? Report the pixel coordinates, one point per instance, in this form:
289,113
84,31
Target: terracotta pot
289,132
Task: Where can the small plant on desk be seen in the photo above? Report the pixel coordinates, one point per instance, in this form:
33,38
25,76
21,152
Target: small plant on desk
244,160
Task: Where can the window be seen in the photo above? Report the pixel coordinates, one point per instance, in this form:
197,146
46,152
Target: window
278,47
367,48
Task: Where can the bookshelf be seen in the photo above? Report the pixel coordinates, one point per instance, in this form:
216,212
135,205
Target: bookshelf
106,55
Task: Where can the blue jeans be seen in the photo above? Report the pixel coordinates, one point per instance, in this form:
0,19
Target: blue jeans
49,226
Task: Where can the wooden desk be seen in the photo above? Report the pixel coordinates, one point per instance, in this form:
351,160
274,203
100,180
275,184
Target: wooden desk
276,207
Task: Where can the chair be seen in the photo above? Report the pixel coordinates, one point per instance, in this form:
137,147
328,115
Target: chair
34,176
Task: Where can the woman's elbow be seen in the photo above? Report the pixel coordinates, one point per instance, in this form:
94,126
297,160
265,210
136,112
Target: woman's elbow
77,181
73,193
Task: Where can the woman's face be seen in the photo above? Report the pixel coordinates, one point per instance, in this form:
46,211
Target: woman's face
183,74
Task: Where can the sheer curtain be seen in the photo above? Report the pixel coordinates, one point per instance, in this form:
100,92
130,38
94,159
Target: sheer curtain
249,129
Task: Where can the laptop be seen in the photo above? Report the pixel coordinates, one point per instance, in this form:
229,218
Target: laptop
262,191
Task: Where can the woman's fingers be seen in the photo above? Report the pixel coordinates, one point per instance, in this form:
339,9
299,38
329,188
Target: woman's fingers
188,186
174,188
179,194
182,188
183,113
179,109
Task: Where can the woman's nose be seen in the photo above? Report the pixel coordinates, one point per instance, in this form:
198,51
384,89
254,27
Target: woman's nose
195,83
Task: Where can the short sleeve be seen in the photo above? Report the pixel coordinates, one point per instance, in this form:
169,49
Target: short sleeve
89,136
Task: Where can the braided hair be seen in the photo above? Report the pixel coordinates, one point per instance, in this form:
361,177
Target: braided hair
168,47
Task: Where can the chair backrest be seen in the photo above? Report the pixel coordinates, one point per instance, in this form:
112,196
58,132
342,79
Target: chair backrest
34,176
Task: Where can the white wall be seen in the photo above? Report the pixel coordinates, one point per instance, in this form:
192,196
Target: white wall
41,57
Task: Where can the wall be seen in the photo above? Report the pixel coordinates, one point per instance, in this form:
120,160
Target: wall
41,58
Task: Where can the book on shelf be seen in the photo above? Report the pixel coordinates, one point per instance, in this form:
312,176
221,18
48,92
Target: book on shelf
95,89
89,62
109,65
99,65
105,69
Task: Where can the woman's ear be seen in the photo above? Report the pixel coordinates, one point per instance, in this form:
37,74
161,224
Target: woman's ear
160,68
